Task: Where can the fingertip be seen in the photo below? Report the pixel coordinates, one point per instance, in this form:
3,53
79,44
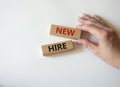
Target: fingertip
79,41
84,14
79,26
94,15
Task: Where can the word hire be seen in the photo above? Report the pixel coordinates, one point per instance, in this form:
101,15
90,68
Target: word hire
66,32
57,47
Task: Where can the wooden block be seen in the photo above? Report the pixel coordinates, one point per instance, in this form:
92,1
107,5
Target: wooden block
58,47
66,32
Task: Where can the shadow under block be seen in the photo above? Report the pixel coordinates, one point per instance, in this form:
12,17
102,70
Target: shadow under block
58,47
66,32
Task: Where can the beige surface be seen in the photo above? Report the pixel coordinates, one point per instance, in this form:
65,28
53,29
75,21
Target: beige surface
66,32
57,47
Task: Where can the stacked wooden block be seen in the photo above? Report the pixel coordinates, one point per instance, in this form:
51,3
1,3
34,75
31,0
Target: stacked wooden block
61,31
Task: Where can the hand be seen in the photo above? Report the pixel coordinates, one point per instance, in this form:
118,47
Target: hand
108,47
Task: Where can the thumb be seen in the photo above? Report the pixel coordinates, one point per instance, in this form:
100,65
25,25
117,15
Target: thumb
92,47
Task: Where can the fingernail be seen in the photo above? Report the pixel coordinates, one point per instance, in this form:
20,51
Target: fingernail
84,14
78,41
94,15
77,26
75,41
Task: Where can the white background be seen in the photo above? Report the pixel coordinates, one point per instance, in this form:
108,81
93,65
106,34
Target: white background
24,27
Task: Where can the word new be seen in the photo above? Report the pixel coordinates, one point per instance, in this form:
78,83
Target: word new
65,31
